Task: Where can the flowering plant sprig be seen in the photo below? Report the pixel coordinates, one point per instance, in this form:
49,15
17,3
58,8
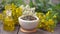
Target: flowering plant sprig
28,11
47,21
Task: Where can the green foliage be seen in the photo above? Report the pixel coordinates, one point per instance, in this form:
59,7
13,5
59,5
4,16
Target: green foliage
31,3
43,5
47,21
58,10
16,2
1,7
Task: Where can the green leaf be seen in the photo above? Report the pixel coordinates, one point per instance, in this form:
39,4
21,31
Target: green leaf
37,1
31,3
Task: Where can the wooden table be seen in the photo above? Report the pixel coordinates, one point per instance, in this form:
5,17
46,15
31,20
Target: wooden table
39,31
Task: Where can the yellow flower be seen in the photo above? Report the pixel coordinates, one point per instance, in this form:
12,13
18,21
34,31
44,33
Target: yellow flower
4,12
51,22
21,7
47,14
7,7
19,12
46,23
10,6
52,30
13,6
1,17
40,26
54,16
42,20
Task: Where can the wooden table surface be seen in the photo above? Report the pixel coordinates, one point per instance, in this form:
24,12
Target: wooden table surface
39,31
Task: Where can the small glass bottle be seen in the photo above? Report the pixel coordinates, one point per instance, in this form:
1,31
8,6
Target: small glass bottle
8,24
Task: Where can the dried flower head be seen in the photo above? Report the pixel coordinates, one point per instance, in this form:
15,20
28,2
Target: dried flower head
28,11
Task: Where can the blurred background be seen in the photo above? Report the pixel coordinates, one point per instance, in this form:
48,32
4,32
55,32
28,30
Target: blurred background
43,7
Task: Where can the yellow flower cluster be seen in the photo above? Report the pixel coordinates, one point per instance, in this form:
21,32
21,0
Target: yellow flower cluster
1,16
46,22
11,21
9,24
